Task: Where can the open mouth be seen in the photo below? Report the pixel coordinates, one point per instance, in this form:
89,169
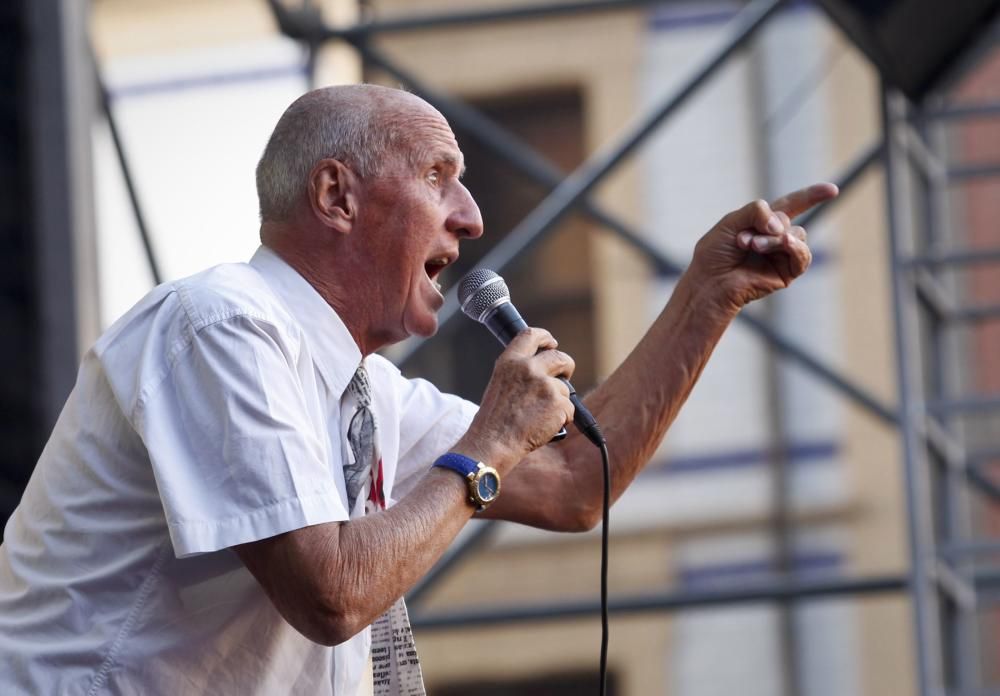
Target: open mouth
433,268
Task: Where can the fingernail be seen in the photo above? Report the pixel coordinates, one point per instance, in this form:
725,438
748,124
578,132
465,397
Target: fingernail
774,225
745,238
761,243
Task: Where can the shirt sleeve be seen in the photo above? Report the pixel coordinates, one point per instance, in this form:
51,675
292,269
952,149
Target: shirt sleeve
431,422
237,442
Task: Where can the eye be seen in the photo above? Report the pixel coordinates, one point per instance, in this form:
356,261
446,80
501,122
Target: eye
434,177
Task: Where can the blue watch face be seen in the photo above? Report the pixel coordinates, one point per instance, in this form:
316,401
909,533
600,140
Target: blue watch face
488,486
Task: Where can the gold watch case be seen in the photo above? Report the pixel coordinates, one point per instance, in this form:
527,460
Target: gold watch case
484,486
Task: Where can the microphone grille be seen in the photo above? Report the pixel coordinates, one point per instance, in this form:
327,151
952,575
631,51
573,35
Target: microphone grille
480,290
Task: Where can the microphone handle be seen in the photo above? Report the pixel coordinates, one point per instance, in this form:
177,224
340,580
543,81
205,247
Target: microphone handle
505,323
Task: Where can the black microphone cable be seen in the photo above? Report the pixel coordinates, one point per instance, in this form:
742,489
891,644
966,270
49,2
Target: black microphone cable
484,297
605,514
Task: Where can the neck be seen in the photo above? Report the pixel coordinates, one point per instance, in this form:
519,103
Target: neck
326,267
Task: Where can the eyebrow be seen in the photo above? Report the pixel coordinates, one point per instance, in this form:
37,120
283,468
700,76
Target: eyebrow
453,161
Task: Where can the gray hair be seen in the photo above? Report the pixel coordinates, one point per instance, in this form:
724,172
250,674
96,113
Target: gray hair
350,123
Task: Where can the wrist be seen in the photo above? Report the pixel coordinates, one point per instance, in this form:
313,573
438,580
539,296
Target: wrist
482,481
485,449
711,298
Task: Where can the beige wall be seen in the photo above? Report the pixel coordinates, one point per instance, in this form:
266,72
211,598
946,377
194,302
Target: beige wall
126,28
537,574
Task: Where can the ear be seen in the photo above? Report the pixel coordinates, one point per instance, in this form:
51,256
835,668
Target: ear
333,194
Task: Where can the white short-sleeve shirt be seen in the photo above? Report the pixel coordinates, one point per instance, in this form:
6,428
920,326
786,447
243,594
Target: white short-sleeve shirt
211,414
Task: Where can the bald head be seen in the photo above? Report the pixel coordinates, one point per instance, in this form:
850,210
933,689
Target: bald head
363,126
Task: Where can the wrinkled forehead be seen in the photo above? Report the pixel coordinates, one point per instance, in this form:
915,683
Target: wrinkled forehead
426,138
435,146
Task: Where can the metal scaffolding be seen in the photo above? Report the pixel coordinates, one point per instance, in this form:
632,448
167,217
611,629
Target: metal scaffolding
946,583
943,472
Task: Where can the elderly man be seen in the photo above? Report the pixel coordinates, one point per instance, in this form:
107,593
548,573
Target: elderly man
239,486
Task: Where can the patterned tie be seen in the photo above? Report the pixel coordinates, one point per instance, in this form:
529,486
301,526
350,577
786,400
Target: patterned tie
395,667
367,465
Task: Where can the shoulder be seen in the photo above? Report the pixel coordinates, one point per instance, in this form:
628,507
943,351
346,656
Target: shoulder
171,315
220,292
143,346
230,290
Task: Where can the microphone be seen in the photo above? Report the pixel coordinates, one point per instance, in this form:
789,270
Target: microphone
484,297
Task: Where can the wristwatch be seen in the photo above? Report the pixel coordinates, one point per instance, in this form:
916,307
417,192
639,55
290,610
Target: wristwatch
483,481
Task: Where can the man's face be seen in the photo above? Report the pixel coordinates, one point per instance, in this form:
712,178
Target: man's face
413,216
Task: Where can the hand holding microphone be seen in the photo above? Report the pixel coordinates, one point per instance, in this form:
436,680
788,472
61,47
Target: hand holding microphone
484,297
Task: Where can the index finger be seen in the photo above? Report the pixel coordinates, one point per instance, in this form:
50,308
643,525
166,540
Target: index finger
555,363
798,202
530,341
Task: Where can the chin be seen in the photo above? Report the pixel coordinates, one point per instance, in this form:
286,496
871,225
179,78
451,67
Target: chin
424,330
422,320
422,325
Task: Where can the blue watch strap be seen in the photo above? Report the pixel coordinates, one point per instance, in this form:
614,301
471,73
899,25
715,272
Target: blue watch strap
457,462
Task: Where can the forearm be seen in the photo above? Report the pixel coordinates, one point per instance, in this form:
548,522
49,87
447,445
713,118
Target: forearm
381,556
332,580
559,486
640,400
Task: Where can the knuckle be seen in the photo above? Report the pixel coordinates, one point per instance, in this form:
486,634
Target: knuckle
531,369
570,364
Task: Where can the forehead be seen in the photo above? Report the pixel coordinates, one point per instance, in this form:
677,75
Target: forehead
430,140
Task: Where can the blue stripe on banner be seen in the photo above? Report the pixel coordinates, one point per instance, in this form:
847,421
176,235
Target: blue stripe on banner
183,84
678,18
797,453
805,563
686,15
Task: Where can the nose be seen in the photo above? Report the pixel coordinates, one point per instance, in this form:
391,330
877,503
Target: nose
465,220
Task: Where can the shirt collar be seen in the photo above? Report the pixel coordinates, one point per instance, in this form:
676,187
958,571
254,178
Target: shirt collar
332,346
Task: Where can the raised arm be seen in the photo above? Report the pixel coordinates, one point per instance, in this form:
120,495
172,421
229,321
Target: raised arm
749,254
